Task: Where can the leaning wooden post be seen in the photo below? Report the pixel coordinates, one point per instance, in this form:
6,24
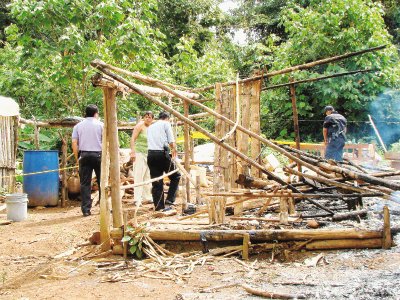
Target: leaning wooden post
112,135
387,236
186,146
295,118
105,171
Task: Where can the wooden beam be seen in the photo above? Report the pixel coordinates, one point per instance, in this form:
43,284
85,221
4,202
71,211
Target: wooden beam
296,68
114,156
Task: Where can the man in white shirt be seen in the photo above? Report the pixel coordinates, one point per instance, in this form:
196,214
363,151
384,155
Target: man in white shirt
160,140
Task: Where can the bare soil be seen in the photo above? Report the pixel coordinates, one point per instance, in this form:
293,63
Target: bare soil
30,269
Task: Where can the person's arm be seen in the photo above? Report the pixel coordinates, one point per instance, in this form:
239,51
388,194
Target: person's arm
172,146
75,150
171,141
135,133
325,134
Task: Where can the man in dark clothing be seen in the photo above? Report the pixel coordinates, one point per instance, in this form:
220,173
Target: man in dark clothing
86,146
334,131
160,140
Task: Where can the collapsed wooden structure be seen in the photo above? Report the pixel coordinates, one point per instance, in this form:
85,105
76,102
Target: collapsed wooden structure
237,164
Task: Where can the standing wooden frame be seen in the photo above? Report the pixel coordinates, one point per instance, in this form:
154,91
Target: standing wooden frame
8,151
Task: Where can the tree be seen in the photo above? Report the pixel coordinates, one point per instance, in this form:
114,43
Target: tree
324,29
45,64
194,19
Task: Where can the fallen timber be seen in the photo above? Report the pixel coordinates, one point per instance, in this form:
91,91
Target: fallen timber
349,173
263,235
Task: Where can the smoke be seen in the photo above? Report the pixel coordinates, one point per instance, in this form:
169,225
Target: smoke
385,112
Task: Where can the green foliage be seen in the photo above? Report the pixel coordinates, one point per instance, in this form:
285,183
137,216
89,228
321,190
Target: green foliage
45,64
135,238
325,29
195,18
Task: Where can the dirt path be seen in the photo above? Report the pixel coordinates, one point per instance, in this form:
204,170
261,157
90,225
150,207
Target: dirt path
29,269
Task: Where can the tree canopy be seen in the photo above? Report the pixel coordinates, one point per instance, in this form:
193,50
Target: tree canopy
46,49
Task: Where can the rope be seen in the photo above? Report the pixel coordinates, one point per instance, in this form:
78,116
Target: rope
41,172
124,187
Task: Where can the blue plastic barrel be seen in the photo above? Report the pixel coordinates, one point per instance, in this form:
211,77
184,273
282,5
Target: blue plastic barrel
42,189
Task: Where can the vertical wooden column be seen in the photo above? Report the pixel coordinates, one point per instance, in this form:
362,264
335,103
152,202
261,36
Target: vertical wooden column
186,146
295,118
64,154
8,151
295,114
255,126
112,135
105,172
220,158
242,139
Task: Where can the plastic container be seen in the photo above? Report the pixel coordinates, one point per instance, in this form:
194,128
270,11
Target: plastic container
42,188
17,207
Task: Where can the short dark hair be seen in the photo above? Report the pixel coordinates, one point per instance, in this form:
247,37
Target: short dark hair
148,113
91,110
163,115
328,108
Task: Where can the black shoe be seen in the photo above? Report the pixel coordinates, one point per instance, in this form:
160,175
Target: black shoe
167,208
86,214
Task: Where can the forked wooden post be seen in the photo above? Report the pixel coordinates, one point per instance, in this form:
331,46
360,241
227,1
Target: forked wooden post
105,171
112,133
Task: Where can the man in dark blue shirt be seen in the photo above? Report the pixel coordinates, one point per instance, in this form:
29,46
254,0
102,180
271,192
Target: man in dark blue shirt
334,131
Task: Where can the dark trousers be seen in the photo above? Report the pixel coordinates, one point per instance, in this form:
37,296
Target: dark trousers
88,161
160,162
334,149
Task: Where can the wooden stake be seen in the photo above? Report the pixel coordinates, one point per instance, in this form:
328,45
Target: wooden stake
387,237
114,156
186,146
105,170
246,244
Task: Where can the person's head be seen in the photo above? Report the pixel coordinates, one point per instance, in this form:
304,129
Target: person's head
148,117
163,116
91,111
329,109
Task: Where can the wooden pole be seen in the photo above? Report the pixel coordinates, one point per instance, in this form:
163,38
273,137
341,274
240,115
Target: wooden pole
64,154
105,171
183,193
246,244
114,156
316,79
295,118
296,68
264,235
387,237
186,146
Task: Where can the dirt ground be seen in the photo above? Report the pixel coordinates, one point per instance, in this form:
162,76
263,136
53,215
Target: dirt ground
35,264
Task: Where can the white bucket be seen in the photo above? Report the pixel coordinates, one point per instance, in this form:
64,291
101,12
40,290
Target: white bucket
17,207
